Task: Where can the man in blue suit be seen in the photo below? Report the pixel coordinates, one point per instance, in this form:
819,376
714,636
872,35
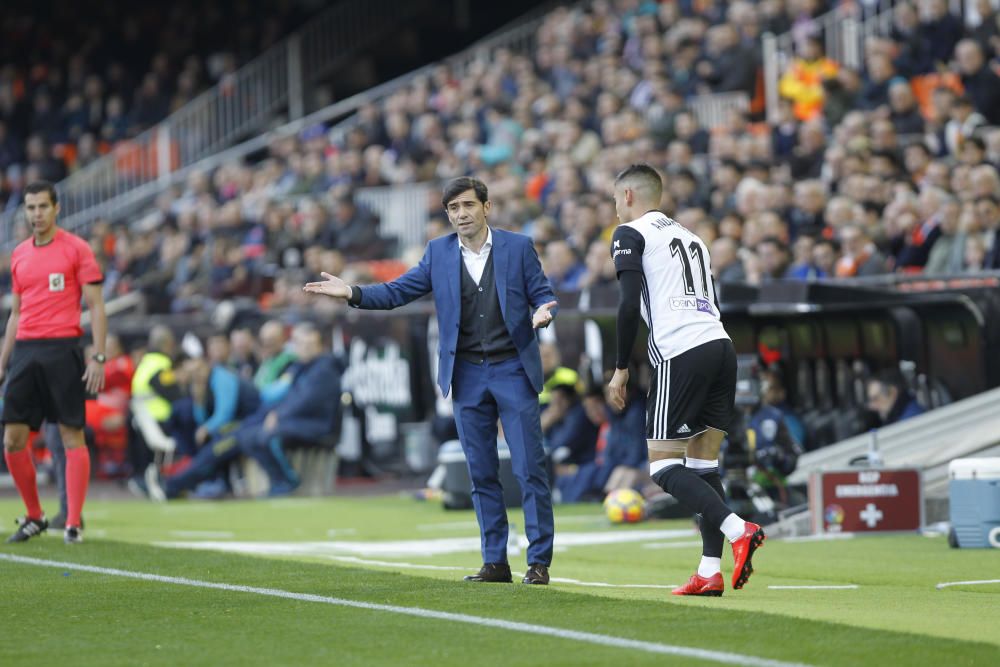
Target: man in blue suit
490,295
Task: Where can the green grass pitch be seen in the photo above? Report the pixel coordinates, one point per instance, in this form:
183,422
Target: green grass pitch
339,548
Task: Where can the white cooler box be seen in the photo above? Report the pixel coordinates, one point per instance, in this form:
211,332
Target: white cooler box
974,494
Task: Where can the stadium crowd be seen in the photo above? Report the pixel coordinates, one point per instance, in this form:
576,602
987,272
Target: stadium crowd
863,178
894,168
75,78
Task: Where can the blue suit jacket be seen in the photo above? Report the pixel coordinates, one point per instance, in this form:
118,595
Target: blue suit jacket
521,288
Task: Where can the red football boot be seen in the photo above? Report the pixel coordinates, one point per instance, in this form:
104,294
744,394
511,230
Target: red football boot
696,585
743,548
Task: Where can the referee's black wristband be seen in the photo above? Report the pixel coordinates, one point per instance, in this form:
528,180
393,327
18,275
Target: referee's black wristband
355,298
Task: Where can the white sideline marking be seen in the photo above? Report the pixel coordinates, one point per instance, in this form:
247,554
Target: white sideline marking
410,548
815,588
333,532
822,537
389,563
472,525
560,633
601,584
211,534
967,583
672,545
452,568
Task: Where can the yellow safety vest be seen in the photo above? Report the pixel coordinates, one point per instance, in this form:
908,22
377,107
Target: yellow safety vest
149,366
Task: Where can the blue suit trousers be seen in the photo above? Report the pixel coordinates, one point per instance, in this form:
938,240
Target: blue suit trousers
482,392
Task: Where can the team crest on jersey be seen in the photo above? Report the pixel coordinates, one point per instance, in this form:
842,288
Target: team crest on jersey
57,282
691,303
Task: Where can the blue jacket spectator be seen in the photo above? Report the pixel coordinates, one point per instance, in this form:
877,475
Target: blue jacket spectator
570,435
216,399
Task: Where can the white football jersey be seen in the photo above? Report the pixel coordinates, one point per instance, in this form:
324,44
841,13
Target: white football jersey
679,304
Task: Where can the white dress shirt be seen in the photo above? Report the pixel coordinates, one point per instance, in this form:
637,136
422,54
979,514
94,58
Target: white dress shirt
475,262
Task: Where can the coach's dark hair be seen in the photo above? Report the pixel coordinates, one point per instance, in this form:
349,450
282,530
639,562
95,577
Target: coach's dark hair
457,186
35,187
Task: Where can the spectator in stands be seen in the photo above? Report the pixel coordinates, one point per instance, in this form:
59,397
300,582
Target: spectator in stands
825,254
988,217
803,265
774,260
273,354
562,266
726,264
981,82
987,33
803,81
890,399
903,111
860,256
570,436
947,255
879,73
963,122
940,30
215,400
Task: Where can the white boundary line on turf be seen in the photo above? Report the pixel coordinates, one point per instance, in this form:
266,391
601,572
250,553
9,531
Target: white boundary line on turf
387,563
845,587
451,568
724,657
967,583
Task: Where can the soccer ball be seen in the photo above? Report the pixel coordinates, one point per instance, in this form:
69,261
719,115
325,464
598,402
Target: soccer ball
624,506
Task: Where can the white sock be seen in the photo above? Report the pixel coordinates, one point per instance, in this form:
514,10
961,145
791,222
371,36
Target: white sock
732,527
709,566
657,466
701,464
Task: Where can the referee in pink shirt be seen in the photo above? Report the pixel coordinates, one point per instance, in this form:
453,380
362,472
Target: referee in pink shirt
42,358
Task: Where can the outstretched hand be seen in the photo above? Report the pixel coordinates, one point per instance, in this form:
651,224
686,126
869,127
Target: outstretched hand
542,316
331,286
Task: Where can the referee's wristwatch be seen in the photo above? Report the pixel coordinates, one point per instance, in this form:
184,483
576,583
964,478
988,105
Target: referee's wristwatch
99,358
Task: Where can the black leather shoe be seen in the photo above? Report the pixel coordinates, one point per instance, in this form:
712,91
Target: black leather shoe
536,574
492,573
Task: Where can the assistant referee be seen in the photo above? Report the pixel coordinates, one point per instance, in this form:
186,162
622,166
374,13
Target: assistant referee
47,376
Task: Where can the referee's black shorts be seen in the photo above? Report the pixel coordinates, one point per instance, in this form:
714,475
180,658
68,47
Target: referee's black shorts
45,383
692,392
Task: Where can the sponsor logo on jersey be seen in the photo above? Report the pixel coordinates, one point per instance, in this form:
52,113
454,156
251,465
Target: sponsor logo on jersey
618,243
623,251
684,429
691,303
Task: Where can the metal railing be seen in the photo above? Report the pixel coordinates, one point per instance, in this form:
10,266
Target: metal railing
243,102
712,109
844,31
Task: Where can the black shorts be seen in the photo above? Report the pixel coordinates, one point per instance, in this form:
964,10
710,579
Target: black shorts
693,391
45,383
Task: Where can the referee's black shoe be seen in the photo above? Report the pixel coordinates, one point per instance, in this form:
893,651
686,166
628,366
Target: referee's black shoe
28,528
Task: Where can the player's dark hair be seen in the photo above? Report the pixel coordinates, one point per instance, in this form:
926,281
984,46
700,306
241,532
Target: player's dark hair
643,171
37,187
457,186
